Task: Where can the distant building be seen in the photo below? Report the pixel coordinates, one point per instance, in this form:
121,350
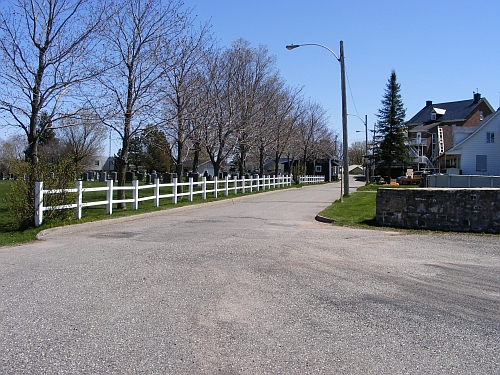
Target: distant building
477,153
432,130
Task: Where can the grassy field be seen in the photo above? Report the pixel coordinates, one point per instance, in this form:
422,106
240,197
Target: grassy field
9,235
359,209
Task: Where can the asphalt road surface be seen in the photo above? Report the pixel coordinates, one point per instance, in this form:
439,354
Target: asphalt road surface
252,285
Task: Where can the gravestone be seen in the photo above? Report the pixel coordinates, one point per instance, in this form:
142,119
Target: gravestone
85,177
102,176
153,177
129,177
140,176
114,176
2,176
90,176
148,179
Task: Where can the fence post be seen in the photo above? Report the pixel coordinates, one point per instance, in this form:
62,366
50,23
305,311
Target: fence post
235,185
38,203
78,210
204,188
174,188
109,207
243,185
216,187
135,194
157,193
191,187
226,186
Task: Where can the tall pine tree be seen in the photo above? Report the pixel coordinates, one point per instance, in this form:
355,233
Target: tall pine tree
391,129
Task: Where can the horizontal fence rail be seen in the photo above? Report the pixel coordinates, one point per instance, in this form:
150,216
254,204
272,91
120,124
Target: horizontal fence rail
311,179
202,188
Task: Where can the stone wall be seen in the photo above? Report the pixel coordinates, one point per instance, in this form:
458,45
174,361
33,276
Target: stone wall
458,210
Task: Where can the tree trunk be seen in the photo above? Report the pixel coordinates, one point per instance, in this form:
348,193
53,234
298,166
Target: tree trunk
122,168
277,158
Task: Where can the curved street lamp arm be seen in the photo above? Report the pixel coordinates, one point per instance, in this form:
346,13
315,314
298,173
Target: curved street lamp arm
293,46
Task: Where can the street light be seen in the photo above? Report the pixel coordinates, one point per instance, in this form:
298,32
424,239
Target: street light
344,107
367,172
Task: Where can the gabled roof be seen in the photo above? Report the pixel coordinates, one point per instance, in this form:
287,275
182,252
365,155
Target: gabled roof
453,111
456,150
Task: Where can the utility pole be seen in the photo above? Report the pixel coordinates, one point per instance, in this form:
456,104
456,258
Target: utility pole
344,122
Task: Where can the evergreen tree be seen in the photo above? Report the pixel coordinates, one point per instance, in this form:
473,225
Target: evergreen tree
391,129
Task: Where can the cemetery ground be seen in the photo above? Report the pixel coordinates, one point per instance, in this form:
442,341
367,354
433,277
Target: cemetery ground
250,286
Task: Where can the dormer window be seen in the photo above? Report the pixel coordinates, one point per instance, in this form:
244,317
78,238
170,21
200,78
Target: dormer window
437,112
481,116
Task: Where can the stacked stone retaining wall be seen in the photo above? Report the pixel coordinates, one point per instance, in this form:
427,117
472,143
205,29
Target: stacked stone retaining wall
459,210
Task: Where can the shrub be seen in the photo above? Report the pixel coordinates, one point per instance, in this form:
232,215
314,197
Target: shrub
21,200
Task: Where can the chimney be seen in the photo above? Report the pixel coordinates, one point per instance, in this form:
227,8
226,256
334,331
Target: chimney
477,97
428,103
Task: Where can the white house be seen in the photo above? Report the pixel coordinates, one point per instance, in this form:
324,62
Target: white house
477,153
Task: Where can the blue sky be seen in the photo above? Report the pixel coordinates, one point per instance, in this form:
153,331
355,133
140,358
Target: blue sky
441,50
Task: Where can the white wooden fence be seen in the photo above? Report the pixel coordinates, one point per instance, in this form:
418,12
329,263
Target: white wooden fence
311,179
214,187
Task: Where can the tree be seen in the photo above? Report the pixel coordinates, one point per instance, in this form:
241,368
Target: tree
391,127
252,73
12,149
287,112
217,109
81,139
311,130
182,89
356,153
138,41
46,52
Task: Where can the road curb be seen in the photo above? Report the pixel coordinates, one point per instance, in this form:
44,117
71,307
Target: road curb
323,219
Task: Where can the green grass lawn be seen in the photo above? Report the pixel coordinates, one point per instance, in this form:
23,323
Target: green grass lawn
358,209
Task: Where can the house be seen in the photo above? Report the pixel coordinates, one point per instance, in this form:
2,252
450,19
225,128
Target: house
432,130
102,163
330,168
476,153
356,169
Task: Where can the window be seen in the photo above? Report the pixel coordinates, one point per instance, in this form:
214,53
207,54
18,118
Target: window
481,162
96,163
433,115
481,116
490,137
318,169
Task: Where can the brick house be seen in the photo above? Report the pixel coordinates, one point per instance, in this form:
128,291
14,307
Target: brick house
434,128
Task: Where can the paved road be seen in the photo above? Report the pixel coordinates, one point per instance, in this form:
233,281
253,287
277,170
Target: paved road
249,286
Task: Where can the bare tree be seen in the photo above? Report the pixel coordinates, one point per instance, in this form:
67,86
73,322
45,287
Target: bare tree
286,110
356,153
182,90
252,70
217,109
138,41
46,49
81,139
310,130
